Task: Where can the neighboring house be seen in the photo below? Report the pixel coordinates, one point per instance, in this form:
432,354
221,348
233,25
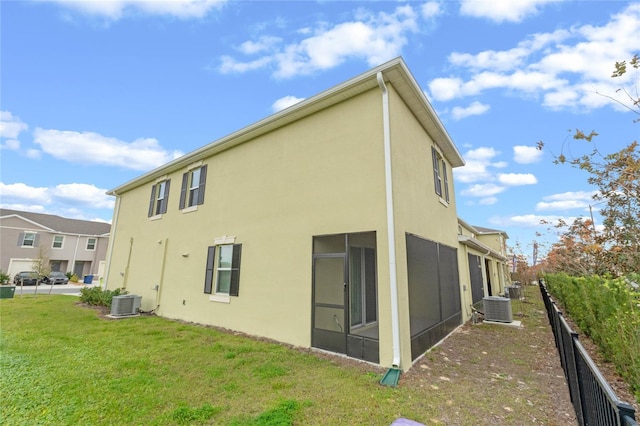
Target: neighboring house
483,264
70,245
331,224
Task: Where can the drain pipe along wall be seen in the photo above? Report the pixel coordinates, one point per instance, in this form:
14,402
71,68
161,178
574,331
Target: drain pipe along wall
393,280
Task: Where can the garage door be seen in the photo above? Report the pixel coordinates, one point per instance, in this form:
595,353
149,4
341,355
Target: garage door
18,265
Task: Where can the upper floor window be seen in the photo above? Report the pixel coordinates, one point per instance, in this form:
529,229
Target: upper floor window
440,178
436,171
445,179
58,240
27,239
159,198
193,184
91,243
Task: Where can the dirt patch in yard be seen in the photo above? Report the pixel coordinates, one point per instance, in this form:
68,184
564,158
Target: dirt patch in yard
505,375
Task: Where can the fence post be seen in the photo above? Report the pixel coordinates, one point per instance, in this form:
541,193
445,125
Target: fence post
627,414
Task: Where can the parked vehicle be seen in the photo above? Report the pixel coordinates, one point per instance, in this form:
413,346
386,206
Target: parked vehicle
26,278
55,277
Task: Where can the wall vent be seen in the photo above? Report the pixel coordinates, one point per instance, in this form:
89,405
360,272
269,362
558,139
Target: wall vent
127,304
497,309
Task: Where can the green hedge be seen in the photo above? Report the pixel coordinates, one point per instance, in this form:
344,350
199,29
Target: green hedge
608,311
98,297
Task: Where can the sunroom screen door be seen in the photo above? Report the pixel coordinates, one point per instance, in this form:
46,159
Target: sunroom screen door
330,324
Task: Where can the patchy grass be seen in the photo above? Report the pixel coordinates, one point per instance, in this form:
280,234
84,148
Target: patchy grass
66,364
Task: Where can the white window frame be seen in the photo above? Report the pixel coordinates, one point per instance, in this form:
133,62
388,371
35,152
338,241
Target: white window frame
445,180
95,243
33,236
219,268
53,242
437,177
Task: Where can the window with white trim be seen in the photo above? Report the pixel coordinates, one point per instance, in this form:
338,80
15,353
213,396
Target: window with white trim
223,267
159,198
28,239
445,179
436,171
440,178
58,241
91,243
193,185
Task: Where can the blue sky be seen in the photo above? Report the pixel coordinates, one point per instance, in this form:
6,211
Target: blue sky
93,94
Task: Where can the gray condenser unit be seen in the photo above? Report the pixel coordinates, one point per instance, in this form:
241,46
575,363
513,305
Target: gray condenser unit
514,291
127,304
497,309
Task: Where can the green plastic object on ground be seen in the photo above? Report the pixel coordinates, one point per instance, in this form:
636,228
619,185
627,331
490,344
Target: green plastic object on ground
391,377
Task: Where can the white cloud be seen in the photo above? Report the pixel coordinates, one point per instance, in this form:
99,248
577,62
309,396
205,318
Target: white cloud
523,154
24,192
83,194
34,154
502,10
517,179
445,88
10,128
92,148
430,9
566,201
265,43
20,196
528,220
372,37
477,164
116,9
475,108
483,190
566,69
285,102
11,144
488,201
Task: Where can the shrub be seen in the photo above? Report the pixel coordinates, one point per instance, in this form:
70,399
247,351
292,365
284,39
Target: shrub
96,296
608,311
4,278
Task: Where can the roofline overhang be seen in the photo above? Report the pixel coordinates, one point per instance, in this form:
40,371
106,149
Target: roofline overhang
394,72
477,245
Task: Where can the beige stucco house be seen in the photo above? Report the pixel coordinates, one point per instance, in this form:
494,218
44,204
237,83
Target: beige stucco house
70,245
483,263
331,224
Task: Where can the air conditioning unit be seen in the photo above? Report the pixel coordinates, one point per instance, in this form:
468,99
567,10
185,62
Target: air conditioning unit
127,304
514,291
497,309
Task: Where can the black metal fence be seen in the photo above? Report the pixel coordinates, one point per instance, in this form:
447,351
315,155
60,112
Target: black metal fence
593,399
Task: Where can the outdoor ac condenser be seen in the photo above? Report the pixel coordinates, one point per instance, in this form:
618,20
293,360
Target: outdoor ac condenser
497,309
514,291
127,304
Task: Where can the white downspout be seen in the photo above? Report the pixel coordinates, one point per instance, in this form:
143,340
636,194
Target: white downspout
393,279
112,239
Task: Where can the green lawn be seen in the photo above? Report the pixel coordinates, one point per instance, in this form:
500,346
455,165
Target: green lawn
63,364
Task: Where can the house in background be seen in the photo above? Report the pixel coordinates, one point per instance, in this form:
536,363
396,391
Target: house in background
483,264
71,245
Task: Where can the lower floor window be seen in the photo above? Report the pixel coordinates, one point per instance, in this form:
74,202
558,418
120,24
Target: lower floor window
223,263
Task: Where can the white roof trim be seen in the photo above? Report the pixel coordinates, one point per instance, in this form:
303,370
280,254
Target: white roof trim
394,72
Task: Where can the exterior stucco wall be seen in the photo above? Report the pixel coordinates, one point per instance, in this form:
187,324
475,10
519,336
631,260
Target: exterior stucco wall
320,175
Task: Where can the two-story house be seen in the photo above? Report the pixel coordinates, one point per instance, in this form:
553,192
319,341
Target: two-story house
70,245
331,224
